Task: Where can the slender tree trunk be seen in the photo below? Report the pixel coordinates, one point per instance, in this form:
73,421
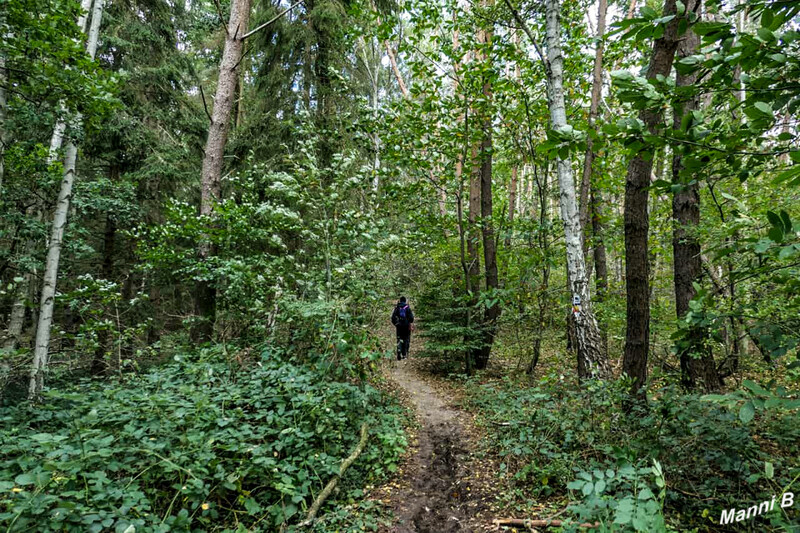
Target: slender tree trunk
3,113
308,76
376,164
205,297
588,160
543,241
395,69
697,362
17,320
592,358
489,325
41,351
600,261
512,203
473,260
637,223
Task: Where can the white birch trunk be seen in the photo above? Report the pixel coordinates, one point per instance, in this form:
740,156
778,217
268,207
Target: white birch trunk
47,300
57,139
17,319
41,352
375,75
592,359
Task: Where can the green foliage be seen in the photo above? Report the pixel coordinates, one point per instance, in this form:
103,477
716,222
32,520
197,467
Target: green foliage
191,445
624,466
622,499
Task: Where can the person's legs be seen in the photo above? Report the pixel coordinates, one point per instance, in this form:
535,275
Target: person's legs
406,343
400,345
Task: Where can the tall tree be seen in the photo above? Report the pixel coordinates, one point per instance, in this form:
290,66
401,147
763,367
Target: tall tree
487,227
637,219
697,361
594,107
584,330
16,320
47,300
205,298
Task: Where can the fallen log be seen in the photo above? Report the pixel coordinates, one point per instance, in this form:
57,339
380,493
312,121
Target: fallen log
322,496
530,523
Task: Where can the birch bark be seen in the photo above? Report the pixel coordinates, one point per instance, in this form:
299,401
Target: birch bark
41,351
592,357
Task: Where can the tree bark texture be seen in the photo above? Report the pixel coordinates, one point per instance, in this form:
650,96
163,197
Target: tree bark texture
205,297
489,326
41,350
637,223
594,106
697,362
587,341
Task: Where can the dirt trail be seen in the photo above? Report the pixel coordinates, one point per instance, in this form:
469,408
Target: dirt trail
437,492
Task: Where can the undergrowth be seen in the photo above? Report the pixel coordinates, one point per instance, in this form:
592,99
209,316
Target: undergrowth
674,466
201,444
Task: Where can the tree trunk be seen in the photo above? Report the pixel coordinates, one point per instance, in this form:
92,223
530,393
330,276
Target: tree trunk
489,325
473,264
395,69
600,262
637,223
543,239
205,296
3,112
322,64
592,358
697,362
47,300
594,106
512,203
41,351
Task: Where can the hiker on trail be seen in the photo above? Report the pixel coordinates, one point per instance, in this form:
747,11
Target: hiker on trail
402,318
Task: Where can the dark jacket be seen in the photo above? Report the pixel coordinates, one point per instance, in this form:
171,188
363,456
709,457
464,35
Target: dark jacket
402,325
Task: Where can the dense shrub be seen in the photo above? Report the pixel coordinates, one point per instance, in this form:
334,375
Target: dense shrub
625,466
198,444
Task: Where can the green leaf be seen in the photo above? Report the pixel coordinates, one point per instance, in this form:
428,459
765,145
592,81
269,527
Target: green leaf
764,107
575,485
765,35
766,18
646,494
769,470
747,412
25,479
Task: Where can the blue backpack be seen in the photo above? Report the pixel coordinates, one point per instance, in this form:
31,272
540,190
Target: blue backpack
402,316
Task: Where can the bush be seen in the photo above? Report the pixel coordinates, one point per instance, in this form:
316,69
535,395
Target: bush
197,444
555,438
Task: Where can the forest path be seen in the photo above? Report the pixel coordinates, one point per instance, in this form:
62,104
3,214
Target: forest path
443,485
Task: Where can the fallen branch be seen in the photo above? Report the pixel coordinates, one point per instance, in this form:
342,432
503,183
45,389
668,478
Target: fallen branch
530,524
320,499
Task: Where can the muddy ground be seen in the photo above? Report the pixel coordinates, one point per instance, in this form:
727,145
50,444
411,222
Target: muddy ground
444,486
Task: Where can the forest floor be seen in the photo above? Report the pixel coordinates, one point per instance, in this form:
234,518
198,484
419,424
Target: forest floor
445,483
